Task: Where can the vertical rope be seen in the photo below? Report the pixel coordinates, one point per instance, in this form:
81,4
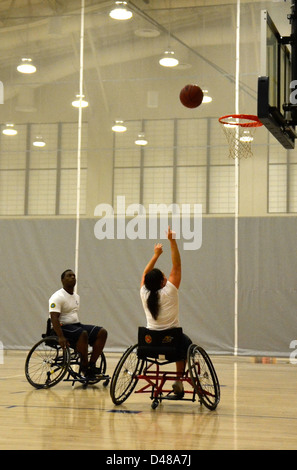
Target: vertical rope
236,261
78,185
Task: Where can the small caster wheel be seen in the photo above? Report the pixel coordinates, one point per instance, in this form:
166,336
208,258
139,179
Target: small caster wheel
85,384
155,404
105,384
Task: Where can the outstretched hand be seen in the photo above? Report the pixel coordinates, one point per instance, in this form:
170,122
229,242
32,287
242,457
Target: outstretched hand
158,249
170,234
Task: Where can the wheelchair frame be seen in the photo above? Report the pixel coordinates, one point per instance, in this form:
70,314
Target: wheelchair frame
47,364
200,374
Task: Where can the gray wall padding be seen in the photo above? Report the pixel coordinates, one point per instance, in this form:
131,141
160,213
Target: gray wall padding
34,252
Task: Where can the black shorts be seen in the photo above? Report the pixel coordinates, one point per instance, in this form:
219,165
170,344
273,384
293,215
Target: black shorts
73,331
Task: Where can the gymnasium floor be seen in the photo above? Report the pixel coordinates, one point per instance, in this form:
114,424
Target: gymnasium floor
258,410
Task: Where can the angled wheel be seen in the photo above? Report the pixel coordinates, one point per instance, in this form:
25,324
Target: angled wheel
204,377
46,363
125,376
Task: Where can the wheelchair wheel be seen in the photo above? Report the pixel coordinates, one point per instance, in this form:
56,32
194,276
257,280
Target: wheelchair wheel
125,376
204,377
47,363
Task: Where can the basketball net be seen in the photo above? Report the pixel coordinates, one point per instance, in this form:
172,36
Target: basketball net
239,130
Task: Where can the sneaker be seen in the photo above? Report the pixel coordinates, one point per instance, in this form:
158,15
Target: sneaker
178,389
93,373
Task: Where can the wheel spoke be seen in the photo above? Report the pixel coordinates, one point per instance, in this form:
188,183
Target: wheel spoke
203,377
125,376
46,363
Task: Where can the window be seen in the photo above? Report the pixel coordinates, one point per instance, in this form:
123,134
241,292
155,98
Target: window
282,179
42,181
185,161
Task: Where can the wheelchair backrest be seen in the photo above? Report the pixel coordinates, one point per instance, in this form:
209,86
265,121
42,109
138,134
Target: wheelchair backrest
160,344
49,329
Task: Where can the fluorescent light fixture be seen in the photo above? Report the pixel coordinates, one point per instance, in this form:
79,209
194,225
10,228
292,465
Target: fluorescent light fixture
120,12
26,66
141,140
39,142
119,126
168,59
80,102
9,130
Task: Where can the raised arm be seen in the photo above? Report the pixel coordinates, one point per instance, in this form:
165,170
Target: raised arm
175,275
158,250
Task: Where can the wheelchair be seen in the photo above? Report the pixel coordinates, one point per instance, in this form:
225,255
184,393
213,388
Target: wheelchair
47,363
145,362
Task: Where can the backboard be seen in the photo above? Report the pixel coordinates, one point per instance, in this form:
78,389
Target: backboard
274,84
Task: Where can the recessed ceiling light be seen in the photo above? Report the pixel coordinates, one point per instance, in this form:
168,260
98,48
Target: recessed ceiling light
39,142
168,59
9,130
26,66
120,12
80,102
206,97
141,140
119,126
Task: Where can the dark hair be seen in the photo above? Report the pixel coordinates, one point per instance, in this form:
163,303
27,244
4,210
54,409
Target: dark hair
63,274
152,282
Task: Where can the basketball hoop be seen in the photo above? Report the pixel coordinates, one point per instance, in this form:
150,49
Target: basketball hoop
239,130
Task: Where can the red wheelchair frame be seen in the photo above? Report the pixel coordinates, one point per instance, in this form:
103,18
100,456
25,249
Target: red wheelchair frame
136,365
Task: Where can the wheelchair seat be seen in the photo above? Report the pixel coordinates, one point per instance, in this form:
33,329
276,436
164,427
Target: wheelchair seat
160,344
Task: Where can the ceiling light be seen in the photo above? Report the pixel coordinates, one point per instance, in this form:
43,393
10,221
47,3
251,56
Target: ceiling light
141,140
119,126
120,12
80,102
246,137
230,126
26,66
168,59
206,97
9,130
39,142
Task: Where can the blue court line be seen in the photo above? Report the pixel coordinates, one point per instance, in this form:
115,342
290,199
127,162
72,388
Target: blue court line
218,413
124,411
67,408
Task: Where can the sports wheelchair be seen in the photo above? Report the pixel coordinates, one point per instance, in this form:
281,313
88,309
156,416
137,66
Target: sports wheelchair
144,361
47,363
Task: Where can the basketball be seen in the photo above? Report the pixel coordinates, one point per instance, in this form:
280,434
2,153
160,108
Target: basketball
191,96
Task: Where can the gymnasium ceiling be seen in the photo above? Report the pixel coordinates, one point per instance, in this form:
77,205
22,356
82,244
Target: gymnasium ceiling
121,58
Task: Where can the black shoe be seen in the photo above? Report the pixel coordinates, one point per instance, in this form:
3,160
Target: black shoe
93,373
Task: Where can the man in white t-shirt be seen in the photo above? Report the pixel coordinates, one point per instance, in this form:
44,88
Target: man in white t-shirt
63,309
160,299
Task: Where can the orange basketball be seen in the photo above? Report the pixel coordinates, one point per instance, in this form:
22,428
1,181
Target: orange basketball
191,96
